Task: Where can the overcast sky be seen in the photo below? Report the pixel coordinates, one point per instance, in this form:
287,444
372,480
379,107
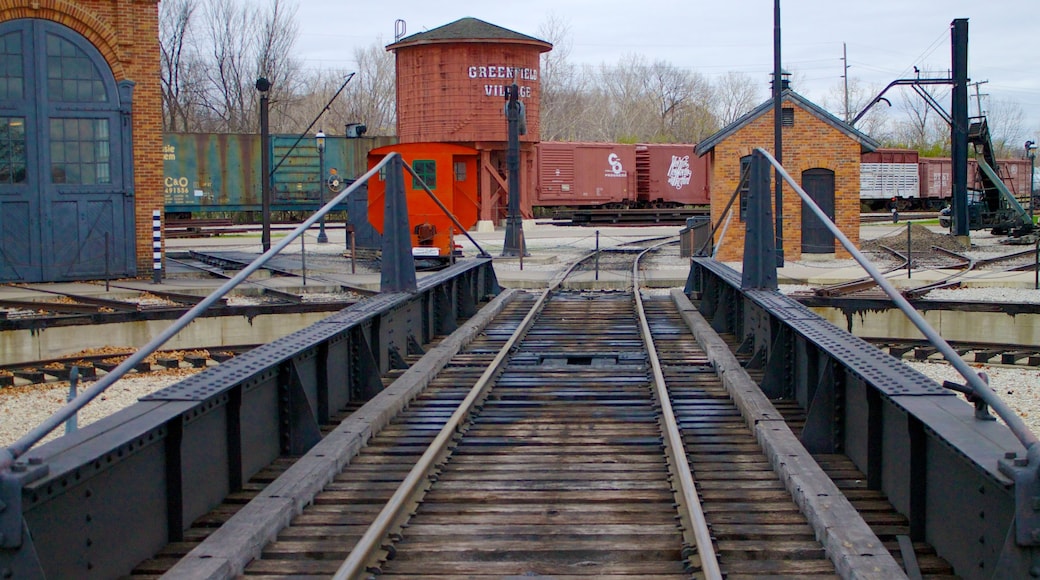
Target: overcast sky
885,38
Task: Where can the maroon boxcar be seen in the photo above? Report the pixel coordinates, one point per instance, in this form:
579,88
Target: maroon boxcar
937,178
670,174
585,174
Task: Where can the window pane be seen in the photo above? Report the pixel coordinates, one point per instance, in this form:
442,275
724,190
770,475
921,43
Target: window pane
11,66
12,150
426,170
71,76
80,151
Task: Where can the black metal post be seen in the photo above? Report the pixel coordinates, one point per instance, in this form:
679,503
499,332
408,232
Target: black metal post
959,127
597,254
909,254
514,242
263,85
1031,154
320,140
778,140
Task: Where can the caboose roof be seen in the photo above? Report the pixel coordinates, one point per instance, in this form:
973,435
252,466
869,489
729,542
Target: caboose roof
866,143
469,30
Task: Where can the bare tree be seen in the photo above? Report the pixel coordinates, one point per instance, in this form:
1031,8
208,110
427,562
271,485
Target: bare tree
275,37
245,41
371,97
176,73
735,94
565,102
1006,122
860,96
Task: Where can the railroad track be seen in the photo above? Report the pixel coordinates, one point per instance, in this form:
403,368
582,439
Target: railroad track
1023,355
559,442
92,364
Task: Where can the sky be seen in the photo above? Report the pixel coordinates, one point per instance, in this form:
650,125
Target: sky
885,39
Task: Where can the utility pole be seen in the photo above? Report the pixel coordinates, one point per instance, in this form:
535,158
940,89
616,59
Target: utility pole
978,95
845,75
778,143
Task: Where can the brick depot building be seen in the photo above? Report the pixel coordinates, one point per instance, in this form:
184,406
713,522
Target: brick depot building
820,151
80,138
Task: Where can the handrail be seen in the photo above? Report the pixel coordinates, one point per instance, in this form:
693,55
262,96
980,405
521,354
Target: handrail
20,447
691,515
980,388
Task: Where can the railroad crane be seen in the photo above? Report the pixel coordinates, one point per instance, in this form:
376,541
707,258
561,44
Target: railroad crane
993,206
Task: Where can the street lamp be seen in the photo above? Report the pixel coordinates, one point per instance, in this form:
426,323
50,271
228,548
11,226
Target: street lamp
319,140
263,85
1031,154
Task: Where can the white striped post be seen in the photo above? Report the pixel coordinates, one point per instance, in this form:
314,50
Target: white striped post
156,247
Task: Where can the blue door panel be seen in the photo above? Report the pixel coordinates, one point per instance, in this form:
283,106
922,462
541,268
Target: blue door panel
72,195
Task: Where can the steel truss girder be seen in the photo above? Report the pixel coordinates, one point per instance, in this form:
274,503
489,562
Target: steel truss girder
98,502
965,485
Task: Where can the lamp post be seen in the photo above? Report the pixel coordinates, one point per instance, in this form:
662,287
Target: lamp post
263,85
319,140
1031,154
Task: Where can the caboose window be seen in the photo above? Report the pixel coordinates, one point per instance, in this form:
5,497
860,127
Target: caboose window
460,171
426,170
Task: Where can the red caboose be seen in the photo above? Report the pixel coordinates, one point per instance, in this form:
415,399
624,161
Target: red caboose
450,171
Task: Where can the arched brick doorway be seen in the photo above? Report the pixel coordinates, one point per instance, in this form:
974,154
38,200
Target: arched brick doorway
66,180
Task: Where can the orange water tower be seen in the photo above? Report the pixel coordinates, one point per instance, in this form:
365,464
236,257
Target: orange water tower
451,88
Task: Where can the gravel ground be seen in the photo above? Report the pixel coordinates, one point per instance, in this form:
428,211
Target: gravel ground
1019,388
23,408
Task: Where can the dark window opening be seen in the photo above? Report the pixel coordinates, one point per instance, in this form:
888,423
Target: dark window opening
744,185
787,117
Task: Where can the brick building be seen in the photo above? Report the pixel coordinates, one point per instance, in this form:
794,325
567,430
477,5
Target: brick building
80,138
820,151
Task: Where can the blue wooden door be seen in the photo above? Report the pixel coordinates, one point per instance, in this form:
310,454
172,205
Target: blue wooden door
66,204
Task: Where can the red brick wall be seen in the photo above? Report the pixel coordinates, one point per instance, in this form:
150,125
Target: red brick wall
809,143
126,33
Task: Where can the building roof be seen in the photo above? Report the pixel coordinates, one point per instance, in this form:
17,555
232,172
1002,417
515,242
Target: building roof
866,143
469,30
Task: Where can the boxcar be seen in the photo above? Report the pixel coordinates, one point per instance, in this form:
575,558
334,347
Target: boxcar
937,178
208,172
585,174
450,171
888,174
669,175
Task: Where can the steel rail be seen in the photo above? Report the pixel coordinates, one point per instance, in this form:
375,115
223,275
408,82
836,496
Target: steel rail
365,551
695,527
967,265
1009,416
18,448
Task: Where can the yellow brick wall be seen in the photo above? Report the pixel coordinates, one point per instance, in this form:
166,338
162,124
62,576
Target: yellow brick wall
126,33
809,144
